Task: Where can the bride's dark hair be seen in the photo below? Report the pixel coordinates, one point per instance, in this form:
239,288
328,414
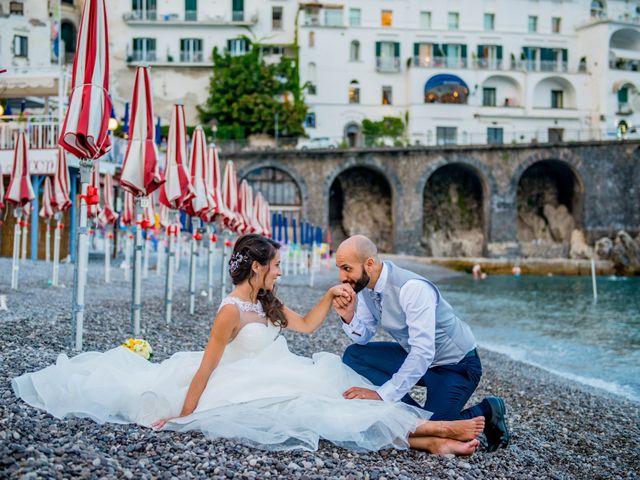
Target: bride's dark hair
255,248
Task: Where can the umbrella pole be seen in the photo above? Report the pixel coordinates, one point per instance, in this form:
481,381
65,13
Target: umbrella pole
168,292
137,268
195,224
160,256
127,254
313,265
47,239
56,250
295,259
107,256
15,270
24,239
210,263
145,268
80,270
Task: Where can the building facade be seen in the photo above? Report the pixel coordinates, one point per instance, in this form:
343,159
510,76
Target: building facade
491,71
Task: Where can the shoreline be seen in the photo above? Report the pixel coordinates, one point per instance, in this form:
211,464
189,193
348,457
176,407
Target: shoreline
503,266
560,429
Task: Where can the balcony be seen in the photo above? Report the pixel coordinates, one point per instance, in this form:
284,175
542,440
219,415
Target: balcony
440,62
488,64
545,66
237,17
624,108
191,57
626,64
142,56
42,131
190,15
141,15
388,64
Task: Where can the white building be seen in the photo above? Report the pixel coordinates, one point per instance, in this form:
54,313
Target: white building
176,38
472,71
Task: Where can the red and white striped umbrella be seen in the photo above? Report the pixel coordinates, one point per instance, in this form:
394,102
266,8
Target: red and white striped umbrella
46,211
200,203
1,192
214,185
107,216
128,216
140,170
84,132
165,218
246,209
93,210
177,189
261,208
233,220
61,200
20,191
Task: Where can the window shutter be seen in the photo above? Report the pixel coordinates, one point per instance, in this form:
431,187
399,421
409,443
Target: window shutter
480,51
444,47
546,54
499,49
437,50
416,49
396,49
623,95
378,49
463,51
565,54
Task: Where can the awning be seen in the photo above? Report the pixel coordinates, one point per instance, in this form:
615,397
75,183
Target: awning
14,85
628,54
621,83
444,79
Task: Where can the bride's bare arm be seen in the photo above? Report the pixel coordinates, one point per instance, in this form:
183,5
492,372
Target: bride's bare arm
312,320
222,330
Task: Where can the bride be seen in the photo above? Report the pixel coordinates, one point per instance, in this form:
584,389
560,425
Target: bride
246,385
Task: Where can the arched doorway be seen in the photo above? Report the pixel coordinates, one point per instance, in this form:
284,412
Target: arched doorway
360,202
353,135
281,191
549,197
454,218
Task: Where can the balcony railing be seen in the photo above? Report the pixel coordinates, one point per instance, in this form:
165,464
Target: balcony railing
42,131
150,15
625,64
191,15
142,56
488,64
440,62
237,16
624,108
191,57
388,64
545,66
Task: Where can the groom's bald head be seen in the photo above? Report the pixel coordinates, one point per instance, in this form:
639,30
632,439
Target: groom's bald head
358,248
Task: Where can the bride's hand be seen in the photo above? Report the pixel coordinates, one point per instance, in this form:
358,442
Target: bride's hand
343,294
158,424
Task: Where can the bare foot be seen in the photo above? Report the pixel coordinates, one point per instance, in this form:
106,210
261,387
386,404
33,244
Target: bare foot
462,430
444,446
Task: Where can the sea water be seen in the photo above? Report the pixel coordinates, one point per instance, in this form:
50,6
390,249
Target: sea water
553,322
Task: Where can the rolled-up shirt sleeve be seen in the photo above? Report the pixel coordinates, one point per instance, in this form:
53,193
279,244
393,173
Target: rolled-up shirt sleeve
418,301
363,325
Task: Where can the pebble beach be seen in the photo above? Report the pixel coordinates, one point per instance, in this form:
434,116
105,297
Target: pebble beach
559,429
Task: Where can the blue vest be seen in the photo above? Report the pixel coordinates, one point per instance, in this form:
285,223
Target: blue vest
454,338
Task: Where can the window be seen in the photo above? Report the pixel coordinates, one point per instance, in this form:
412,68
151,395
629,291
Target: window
354,92
312,39
556,23
489,22
237,10
276,18
237,46
310,120
423,53
386,18
20,46
489,56
354,53
455,55
191,10
388,56
489,97
425,20
311,79
191,50
555,135
16,8
533,23
557,99
144,49
67,2
453,21
144,9
597,9
446,135
495,135
333,17
387,96
355,18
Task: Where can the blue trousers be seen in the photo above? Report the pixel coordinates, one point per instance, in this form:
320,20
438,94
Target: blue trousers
449,387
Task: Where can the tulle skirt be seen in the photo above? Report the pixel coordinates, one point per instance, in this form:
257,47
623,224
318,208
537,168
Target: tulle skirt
270,398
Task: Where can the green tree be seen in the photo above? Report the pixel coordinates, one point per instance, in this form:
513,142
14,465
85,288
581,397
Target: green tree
245,93
375,132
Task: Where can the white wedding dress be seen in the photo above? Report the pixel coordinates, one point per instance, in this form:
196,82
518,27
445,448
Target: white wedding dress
260,394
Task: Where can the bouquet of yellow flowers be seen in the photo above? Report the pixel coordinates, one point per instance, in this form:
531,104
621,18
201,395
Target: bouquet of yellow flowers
139,346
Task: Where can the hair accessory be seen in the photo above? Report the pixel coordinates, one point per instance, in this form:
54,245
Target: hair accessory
235,261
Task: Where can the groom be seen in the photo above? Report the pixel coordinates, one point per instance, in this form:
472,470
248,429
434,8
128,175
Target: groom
434,347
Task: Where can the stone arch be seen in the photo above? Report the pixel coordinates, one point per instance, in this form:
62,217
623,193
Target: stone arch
297,179
376,215
549,196
458,224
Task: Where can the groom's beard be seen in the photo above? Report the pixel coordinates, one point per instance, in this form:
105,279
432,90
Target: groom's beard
362,282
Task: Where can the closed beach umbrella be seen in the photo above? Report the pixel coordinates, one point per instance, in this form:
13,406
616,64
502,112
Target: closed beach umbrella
46,211
107,216
128,216
84,131
61,185
93,207
177,189
140,170
233,220
200,202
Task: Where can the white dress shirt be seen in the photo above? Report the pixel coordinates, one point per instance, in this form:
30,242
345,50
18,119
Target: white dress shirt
418,300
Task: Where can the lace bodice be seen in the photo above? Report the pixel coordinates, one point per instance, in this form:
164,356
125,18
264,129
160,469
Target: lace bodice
249,312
